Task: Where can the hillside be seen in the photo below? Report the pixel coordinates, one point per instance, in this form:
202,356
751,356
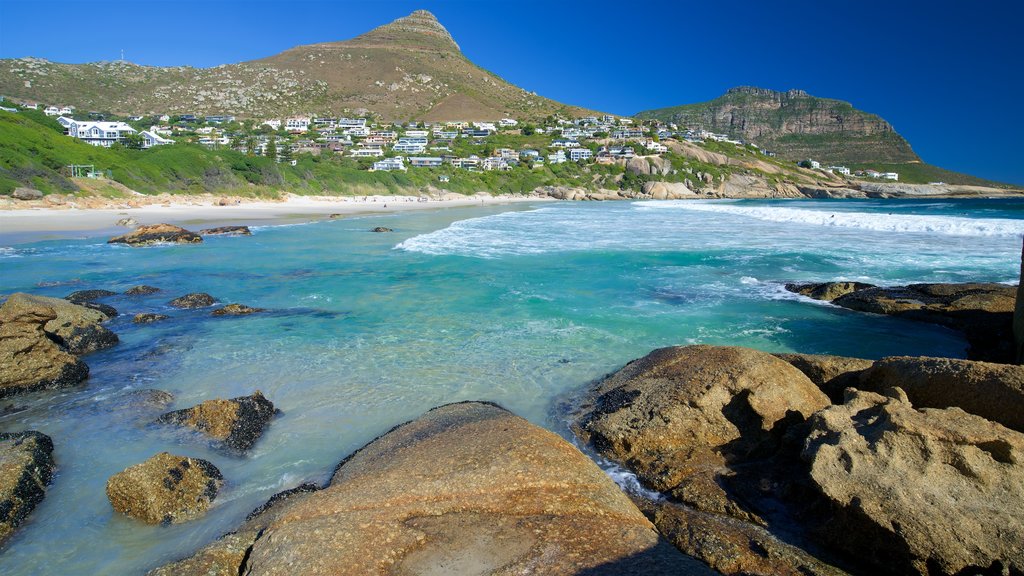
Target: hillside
410,69
795,125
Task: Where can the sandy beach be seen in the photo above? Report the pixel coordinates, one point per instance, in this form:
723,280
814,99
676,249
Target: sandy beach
41,223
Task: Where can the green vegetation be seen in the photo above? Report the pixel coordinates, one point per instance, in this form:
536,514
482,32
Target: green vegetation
921,173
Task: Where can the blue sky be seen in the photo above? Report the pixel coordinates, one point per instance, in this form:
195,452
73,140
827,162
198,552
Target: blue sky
949,75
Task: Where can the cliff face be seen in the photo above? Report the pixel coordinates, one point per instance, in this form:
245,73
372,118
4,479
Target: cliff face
795,125
408,69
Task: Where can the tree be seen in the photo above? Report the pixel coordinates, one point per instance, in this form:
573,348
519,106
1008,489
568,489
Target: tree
527,130
271,151
285,153
133,141
250,146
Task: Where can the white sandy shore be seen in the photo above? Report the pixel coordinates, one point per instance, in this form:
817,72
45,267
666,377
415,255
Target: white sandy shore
27,225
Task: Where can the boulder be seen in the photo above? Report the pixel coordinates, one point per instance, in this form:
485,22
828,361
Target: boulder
993,391
638,165
465,489
931,491
77,328
680,416
155,234
227,231
983,312
381,229
236,310
193,300
128,222
165,489
23,193
106,309
29,358
141,290
832,374
659,166
26,467
827,291
148,318
237,423
668,190
82,296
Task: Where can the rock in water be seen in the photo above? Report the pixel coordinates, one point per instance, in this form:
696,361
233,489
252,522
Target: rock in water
832,374
466,489
128,222
238,422
993,391
381,229
155,234
88,295
26,466
828,291
193,300
919,491
236,310
141,290
227,231
165,489
29,358
147,318
76,327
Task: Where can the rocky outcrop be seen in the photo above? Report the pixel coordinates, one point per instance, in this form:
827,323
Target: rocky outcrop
668,191
30,358
141,290
128,222
227,231
157,234
77,328
165,489
148,318
1018,316
919,491
193,300
993,391
827,291
236,310
381,229
26,466
83,296
23,193
237,423
649,166
467,488
832,374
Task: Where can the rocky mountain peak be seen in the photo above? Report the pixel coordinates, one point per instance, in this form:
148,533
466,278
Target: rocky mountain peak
774,94
418,30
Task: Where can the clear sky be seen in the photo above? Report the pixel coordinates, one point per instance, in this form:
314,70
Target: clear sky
948,74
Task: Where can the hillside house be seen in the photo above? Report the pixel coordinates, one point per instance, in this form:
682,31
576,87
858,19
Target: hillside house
99,133
655,147
840,170
273,124
297,124
577,154
557,157
150,139
425,161
51,111
388,165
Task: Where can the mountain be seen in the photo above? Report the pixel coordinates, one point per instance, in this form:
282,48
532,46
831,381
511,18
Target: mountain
410,69
795,125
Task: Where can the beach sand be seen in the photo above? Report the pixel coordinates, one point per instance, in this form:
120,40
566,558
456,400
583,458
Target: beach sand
30,225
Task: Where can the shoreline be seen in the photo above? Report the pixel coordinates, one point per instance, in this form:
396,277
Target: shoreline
33,224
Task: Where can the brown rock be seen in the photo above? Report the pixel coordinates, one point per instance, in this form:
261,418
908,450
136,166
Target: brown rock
238,422
26,467
227,231
466,489
165,489
236,310
76,327
23,193
141,290
827,291
29,359
157,233
919,491
993,391
193,300
148,318
832,374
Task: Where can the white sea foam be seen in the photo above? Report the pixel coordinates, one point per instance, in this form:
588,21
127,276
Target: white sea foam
947,225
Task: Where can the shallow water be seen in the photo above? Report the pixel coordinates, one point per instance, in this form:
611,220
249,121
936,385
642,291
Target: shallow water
518,305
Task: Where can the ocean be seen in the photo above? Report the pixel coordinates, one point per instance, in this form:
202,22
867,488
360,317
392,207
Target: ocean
521,305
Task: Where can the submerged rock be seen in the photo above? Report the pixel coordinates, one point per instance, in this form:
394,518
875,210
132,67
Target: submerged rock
26,467
227,231
236,310
832,374
165,489
155,234
238,423
148,318
128,222
193,300
993,391
381,229
919,491
827,290
88,295
30,358
107,310
465,489
141,290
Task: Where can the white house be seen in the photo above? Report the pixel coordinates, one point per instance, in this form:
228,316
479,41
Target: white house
65,122
557,157
274,124
416,133
360,131
577,154
297,124
508,123
51,111
426,161
655,147
562,143
99,133
410,147
840,170
890,175
388,164
367,153
150,139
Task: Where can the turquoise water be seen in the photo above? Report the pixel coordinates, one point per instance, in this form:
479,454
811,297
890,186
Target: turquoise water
516,304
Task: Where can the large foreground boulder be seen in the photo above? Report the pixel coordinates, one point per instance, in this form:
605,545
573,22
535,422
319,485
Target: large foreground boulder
30,358
77,328
465,489
992,391
166,489
237,423
157,234
26,466
919,491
